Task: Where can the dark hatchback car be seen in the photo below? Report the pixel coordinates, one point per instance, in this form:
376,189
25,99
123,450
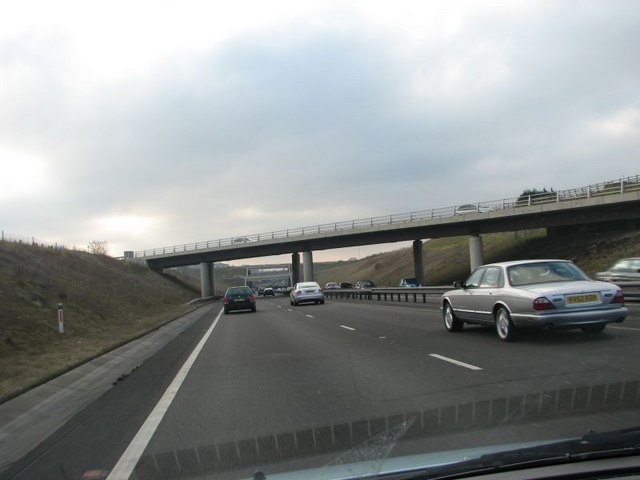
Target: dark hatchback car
239,298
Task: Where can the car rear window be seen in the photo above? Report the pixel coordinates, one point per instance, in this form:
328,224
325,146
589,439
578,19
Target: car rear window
544,272
238,291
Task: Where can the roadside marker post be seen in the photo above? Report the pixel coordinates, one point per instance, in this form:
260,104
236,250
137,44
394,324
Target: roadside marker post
60,319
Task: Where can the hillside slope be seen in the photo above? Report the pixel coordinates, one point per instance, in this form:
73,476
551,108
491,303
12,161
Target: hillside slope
105,302
447,259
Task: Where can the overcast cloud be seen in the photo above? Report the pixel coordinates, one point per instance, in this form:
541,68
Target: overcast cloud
152,123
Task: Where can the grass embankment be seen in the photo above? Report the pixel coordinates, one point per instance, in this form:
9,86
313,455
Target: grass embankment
447,259
106,302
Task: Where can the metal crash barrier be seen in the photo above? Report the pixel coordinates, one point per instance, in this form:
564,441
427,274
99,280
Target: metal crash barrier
391,294
631,291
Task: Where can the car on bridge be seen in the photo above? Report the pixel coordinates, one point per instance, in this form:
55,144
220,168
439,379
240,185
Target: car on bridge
306,292
547,294
239,298
242,240
473,208
466,208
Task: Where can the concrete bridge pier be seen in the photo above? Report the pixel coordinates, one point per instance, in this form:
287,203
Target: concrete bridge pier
206,279
475,251
307,266
295,268
418,262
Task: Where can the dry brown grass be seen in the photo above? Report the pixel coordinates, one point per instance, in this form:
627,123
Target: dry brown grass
106,302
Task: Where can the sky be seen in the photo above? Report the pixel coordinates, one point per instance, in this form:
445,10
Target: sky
152,123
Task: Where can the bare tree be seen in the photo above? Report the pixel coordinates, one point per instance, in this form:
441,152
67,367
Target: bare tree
98,247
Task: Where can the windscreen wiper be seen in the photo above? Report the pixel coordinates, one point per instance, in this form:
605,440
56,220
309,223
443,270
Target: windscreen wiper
590,446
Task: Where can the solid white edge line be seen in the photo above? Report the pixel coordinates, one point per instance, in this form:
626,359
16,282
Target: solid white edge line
457,362
129,459
348,328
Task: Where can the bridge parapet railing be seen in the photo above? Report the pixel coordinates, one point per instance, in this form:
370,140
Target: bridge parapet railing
623,185
613,187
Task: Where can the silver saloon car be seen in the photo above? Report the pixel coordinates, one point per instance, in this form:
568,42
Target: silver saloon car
625,270
306,292
532,294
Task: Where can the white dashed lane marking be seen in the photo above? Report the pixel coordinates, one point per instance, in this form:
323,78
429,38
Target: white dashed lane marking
456,362
348,328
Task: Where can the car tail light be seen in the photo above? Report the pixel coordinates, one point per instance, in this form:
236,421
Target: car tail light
226,300
319,290
252,298
298,292
542,303
618,298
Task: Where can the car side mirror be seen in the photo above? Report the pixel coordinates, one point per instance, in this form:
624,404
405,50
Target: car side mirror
458,284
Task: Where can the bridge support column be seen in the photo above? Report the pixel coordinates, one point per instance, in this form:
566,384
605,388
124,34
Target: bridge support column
295,268
475,251
307,266
206,279
418,262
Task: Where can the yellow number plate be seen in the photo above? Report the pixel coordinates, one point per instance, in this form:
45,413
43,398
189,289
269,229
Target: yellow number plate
588,298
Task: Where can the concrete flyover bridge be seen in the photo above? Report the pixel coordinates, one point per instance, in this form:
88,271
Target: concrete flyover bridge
611,201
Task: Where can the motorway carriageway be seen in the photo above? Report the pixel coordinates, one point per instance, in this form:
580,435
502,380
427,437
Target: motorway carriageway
289,388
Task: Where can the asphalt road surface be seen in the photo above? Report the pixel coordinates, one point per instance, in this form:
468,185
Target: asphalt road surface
290,388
